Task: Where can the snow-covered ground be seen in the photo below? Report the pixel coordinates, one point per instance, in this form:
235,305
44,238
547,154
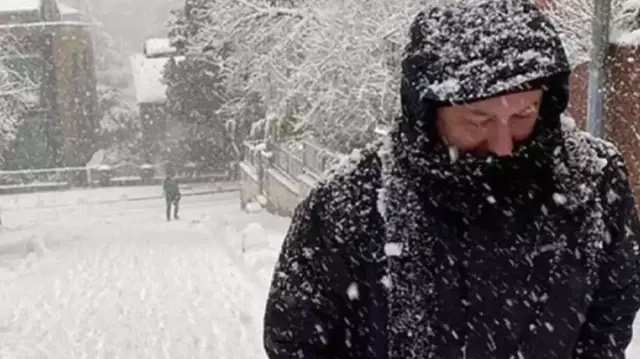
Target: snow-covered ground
115,280
39,200
83,276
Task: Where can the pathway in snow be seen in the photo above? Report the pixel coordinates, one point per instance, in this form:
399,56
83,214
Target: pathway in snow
117,281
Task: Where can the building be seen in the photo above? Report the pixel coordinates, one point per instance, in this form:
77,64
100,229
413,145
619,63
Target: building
51,45
148,72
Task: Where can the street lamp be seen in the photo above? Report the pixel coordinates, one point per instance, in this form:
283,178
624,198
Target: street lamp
596,114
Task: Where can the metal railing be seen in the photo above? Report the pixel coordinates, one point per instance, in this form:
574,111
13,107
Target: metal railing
292,158
318,160
77,176
103,175
286,161
251,152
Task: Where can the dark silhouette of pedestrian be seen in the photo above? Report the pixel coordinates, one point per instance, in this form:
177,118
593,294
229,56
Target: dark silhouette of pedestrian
172,195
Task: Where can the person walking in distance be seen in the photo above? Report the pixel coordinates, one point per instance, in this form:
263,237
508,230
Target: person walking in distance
485,226
171,195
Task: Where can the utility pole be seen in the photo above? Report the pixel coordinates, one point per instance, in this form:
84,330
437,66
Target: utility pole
596,114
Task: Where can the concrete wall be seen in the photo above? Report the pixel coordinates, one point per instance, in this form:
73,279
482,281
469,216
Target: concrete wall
249,184
283,191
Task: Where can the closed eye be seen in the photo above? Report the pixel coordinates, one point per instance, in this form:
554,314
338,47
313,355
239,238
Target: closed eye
529,111
523,116
474,123
526,114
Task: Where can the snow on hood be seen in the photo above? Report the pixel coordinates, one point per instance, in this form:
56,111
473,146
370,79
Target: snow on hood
478,49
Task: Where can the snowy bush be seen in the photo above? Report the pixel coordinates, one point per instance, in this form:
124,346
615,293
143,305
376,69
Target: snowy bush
120,128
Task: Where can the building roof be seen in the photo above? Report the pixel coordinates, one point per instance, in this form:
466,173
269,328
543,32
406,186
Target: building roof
72,14
19,5
158,47
68,10
147,78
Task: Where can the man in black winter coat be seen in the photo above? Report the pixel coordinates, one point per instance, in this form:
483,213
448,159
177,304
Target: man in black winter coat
485,226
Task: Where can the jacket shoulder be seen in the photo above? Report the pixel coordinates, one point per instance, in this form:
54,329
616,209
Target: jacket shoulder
586,150
353,181
590,164
344,204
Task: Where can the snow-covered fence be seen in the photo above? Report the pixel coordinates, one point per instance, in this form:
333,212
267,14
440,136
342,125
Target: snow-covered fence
286,161
55,179
48,179
282,173
316,159
251,152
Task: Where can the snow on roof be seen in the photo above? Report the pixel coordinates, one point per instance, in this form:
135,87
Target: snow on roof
72,14
66,9
19,5
629,38
158,47
631,4
147,78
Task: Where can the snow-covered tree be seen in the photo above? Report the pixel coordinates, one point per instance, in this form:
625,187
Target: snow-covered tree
574,20
627,24
195,91
17,91
119,124
327,67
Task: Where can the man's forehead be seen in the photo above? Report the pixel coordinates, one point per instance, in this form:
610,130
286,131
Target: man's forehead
518,99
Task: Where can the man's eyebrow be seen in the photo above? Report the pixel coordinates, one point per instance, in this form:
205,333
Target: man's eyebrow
479,112
533,104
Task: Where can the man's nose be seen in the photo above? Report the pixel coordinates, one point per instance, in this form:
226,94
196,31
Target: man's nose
500,141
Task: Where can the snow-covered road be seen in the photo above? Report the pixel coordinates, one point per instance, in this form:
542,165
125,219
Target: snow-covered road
117,281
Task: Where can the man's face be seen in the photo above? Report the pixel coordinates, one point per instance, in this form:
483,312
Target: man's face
493,125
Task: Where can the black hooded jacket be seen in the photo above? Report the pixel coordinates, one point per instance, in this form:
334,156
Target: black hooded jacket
404,252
